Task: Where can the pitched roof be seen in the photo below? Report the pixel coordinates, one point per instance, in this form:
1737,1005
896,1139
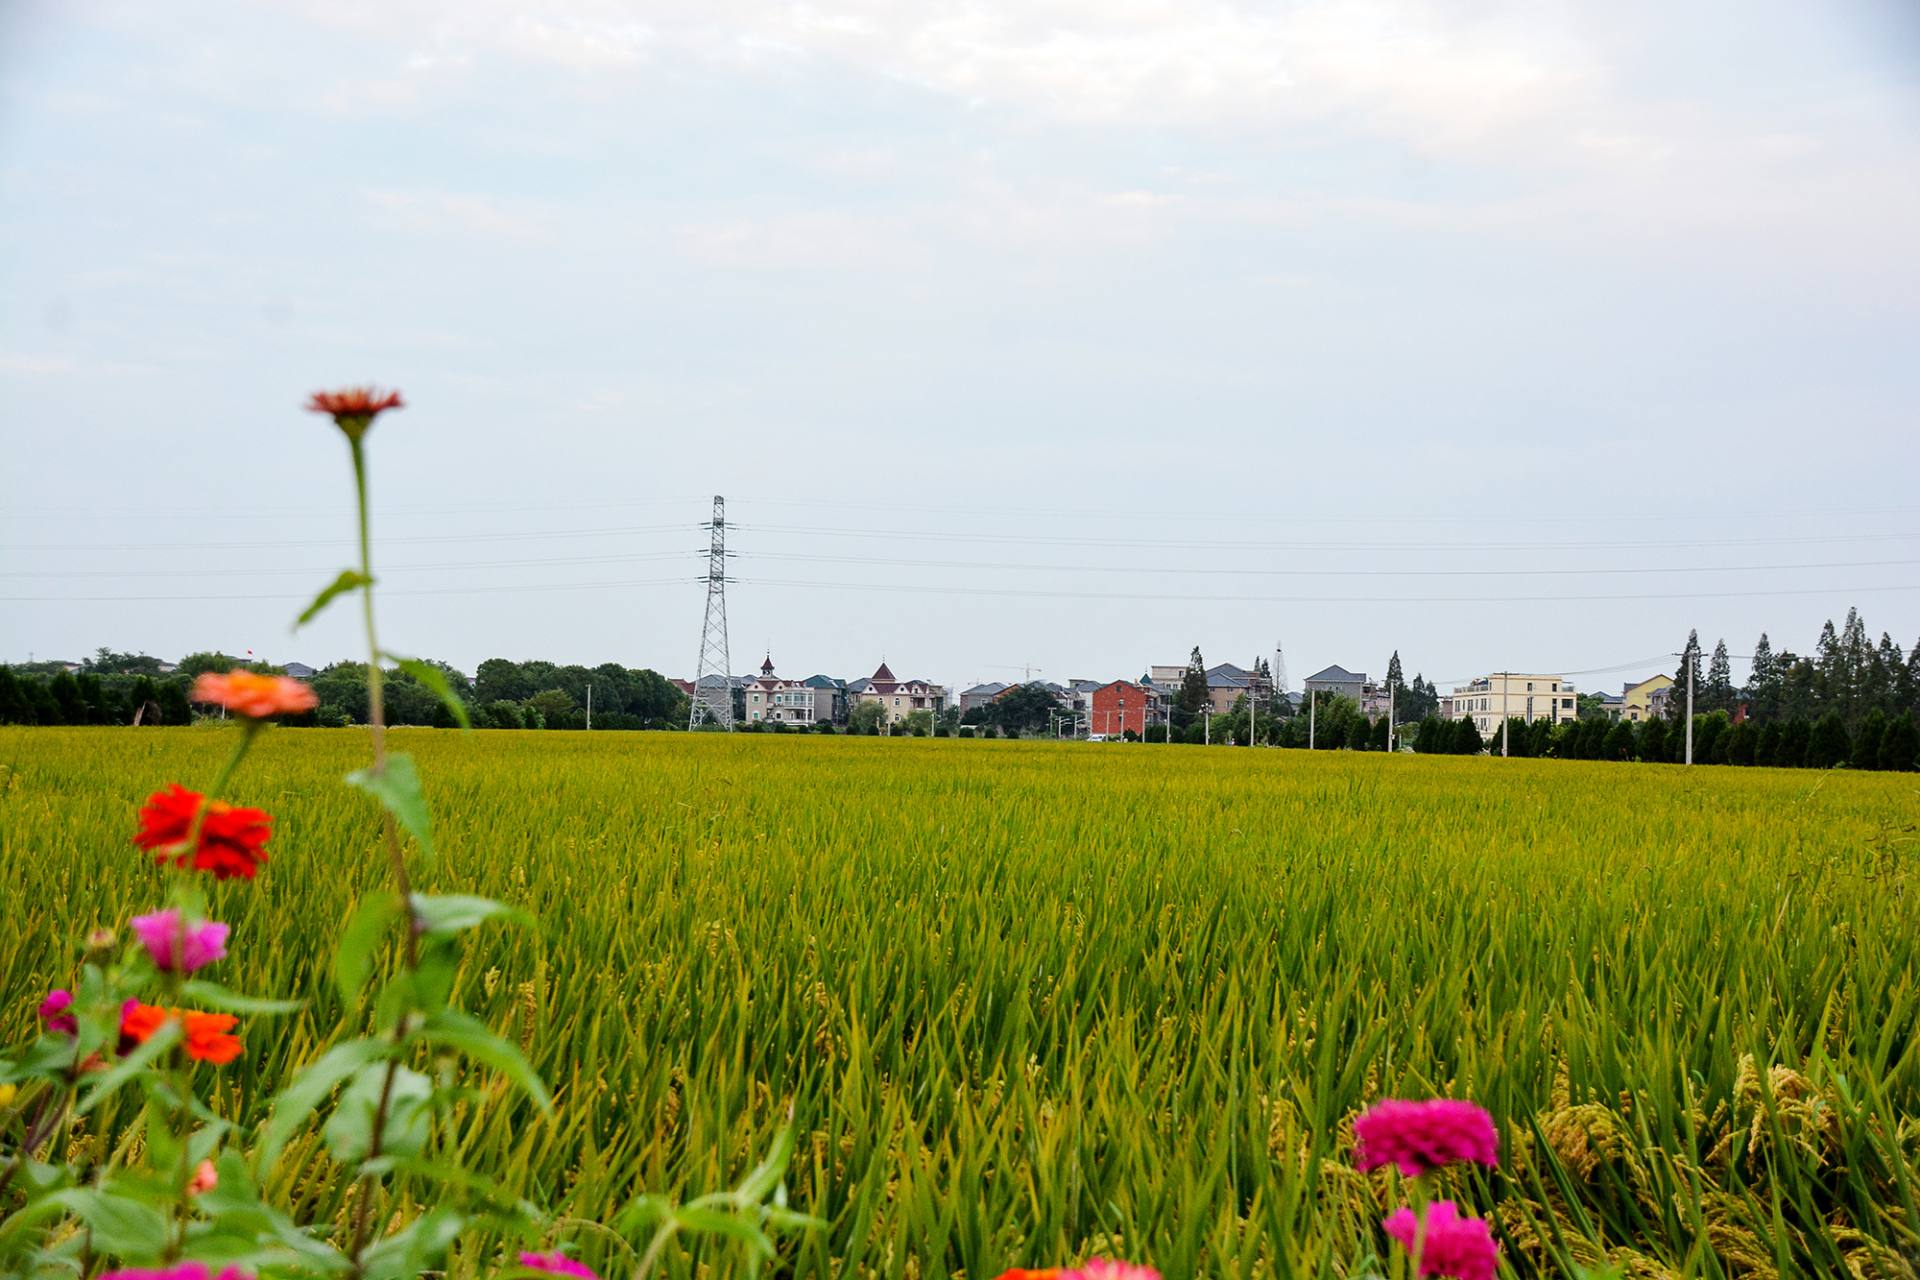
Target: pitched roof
1228,668
885,673
1337,675
823,682
1220,678
990,687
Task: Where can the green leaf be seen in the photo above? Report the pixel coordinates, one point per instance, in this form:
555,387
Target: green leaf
349,1130
135,1063
714,1222
436,680
455,912
759,1184
396,785
349,580
353,958
215,996
464,1034
298,1100
410,1250
121,1226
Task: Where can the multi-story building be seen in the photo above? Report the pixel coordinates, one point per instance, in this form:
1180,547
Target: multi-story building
898,698
1503,695
1337,681
1636,700
981,695
1122,706
770,699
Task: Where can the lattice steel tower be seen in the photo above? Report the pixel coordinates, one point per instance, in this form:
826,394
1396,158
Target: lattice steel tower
713,676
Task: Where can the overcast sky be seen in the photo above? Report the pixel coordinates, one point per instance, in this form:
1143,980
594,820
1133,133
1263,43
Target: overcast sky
1063,332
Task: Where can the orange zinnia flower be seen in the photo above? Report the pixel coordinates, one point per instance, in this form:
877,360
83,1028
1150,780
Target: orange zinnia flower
355,408
255,696
232,841
207,1035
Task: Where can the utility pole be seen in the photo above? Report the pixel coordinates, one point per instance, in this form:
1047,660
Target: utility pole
1693,660
1390,714
589,707
1313,706
1506,682
713,674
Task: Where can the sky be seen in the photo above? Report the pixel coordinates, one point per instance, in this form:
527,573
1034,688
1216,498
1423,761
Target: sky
1049,336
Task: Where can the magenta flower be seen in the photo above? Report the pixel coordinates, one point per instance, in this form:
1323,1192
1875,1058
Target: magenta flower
54,1013
1450,1245
179,1271
1419,1137
557,1264
181,951
1102,1269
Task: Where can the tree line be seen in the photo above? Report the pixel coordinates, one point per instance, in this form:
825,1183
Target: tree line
121,688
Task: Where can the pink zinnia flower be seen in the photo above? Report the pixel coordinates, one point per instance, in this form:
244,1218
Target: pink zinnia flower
1450,1245
179,1271
181,948
557,1264
1419,1137
1102,1269
54,1015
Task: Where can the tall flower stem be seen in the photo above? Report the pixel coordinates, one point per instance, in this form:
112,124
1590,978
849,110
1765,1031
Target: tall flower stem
377,727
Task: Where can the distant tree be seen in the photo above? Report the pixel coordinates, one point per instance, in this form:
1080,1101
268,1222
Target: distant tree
70,705
1719,682
172,698
1466,738
1653,742
1519,738
1433,737
1619,742
867,717
15,706
195,664
1763,682
1867,740
1766,749
343,685
1193,684
1677,708
143,701
1707,731
1381,729
1796,740
1900,747
1829,744
1740,743
1910,686
1025,706
1540,738
1396,678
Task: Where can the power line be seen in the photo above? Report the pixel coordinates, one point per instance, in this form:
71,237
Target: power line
249,597
1321,573
1032,539
1253,599
345,540
996,565
225,571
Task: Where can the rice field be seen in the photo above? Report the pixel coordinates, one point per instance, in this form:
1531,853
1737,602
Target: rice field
1030,1001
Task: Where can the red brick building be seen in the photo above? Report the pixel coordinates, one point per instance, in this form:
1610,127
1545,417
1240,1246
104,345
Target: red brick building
1116,707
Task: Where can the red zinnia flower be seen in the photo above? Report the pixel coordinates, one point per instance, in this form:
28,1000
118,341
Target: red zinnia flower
255,696
355,408
207,1035
232,841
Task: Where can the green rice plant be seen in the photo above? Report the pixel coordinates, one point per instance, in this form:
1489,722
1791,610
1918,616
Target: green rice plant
1032,1001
